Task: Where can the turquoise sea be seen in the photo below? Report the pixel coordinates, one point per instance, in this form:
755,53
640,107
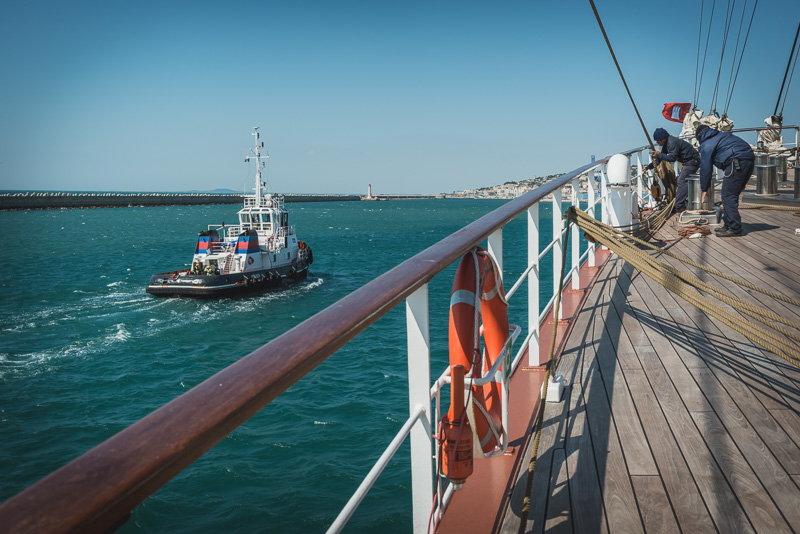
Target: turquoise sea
84,352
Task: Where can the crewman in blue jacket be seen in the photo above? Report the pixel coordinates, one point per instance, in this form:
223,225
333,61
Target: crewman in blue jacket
676,149
735,158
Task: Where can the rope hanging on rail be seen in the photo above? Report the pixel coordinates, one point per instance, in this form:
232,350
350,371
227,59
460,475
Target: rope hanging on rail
526,503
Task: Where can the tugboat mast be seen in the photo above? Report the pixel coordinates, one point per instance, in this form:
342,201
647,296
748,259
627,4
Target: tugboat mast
259,166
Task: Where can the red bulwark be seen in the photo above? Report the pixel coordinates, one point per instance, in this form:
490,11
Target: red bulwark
479,506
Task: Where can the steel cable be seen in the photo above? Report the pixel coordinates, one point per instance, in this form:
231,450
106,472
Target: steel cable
791,75
726,30
729,95
783,83
705,52
697,61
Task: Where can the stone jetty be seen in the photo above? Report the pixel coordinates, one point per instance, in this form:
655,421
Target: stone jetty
56,200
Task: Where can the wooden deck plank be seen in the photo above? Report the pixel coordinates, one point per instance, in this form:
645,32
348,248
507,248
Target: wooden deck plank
559,511
637,452
654,505
776,439
753,449
675,421
555,418
774,239
763,373
770,381
790,422
762,275
690,510
551,440
722,503
760,509
618,498
737,407
677,371
614,332
588,514
656,321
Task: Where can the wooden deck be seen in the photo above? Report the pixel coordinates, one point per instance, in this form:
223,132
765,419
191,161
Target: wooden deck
672,421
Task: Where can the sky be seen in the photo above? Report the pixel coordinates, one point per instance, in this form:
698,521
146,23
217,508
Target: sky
413,97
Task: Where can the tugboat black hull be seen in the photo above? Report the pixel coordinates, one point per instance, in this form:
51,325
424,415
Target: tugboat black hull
176,284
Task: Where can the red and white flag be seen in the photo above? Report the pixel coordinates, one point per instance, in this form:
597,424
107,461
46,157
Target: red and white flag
676,111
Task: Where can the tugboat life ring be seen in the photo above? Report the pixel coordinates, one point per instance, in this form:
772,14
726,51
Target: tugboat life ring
477,278
250,260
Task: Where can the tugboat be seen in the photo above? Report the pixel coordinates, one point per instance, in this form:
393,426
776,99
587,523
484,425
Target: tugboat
260,254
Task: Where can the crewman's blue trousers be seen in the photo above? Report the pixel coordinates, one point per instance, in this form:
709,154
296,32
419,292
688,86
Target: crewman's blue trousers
733,184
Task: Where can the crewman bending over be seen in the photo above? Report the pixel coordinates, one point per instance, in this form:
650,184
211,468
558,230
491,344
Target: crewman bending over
676,149
734,156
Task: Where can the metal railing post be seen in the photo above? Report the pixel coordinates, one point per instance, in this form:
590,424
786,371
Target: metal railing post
652,201
533,285
590,197
575,237
419,384
558,245
640,175
495,244
605,214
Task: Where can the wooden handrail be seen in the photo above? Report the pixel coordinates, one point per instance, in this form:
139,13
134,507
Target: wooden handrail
96,491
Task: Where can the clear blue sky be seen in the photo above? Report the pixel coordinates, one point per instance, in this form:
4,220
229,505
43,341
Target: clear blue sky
414,97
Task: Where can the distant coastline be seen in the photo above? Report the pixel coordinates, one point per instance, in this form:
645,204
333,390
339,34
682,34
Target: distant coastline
43,200
27,200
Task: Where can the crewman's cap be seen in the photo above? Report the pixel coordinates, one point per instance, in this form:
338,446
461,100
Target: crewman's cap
660,134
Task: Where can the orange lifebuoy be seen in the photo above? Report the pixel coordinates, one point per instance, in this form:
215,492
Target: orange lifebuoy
477,277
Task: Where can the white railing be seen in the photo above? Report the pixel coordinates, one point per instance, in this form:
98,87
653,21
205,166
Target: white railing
419,425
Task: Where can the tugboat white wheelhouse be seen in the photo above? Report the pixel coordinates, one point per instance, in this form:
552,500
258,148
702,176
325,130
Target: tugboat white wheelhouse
261,253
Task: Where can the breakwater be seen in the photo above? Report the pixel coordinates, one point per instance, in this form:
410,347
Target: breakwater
63,200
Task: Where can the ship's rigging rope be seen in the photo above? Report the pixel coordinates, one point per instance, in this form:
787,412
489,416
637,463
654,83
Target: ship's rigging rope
794,52
697,62
726,29
733,78
735,64
699,85
669,182
614,57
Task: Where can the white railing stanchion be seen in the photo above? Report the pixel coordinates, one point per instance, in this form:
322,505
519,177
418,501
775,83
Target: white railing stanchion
495,245
533,285
653,178
558,245
640,173
419,384
590,194
575,236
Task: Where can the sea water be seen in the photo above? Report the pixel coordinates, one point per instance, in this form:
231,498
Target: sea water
84,353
